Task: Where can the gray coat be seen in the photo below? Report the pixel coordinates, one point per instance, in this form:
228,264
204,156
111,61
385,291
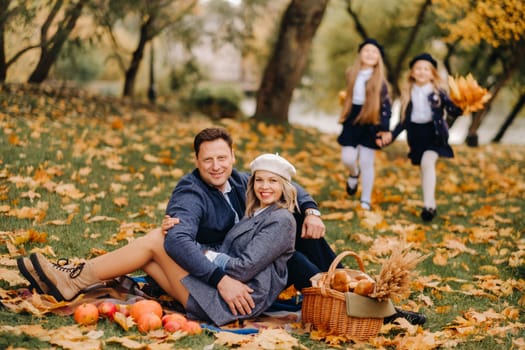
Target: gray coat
259,248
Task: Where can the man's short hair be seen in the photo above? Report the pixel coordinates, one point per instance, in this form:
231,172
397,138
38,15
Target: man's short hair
211,134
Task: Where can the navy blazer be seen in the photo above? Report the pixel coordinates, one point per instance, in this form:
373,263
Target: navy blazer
439,104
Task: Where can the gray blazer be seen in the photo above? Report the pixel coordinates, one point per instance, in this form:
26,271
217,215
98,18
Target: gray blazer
259,248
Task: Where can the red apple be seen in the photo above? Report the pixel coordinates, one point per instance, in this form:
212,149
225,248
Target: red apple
192,327
172,326
173,317
86,314
107,309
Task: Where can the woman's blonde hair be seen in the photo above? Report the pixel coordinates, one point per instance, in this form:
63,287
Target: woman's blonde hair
407,88
288,199
371,108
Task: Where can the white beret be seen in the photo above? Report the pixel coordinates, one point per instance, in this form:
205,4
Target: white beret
275,164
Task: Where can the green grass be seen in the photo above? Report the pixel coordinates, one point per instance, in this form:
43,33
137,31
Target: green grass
481,194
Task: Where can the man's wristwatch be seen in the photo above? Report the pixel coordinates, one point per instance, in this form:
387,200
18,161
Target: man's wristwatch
312,211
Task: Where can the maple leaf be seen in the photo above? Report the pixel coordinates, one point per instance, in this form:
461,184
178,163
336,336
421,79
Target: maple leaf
231,339
126,322
68,190
120,201
340,216
440,257
274,339
99,218
370,219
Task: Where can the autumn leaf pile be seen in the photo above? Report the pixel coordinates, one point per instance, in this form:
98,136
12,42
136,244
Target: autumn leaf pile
466,93
82,175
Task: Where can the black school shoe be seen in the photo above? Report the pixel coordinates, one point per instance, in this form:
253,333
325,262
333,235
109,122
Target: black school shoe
427,214
414,318
352,190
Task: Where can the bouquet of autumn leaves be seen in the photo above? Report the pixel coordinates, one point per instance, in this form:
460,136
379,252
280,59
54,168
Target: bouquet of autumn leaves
466,93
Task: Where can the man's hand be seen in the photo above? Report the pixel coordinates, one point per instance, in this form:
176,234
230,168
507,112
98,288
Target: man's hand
313,227
168,222
237,295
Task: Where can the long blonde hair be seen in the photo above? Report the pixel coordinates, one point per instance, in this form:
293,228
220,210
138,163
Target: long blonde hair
407,89
371,108
288,199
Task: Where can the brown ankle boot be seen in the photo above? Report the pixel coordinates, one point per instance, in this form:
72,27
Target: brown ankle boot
64,282
25,266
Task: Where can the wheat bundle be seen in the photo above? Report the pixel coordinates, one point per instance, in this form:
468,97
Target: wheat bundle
466,93
393,281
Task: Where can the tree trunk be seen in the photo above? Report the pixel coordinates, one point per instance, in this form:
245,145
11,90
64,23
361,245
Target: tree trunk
396,72
3,63
288,61
510,118
4,5
51,49
477,118
131,72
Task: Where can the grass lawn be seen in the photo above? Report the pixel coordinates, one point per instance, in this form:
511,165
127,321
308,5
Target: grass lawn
82,176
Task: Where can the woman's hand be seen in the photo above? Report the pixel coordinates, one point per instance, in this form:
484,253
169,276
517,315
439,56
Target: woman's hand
167,223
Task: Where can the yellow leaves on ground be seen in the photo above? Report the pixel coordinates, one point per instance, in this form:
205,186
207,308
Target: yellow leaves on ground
266,339
100,168
87,338
12,277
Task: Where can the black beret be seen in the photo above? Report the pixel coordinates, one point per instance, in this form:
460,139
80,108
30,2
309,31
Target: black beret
423,57
372,42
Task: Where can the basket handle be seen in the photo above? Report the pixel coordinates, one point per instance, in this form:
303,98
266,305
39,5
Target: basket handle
324,282
340,257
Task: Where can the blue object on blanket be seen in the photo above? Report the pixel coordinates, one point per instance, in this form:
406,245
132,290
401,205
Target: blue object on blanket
292,304
139,279
236,331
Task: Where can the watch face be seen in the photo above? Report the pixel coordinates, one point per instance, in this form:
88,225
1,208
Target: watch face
313,212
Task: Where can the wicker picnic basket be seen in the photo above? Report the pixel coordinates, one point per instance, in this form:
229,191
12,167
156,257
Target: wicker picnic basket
325,308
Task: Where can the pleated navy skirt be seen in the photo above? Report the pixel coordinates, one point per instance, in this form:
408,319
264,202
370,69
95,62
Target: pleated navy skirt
421,138
357,134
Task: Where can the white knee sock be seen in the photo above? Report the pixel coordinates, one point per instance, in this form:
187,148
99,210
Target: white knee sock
428,178
366,163
349,157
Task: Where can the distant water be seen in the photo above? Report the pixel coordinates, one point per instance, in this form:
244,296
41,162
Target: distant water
300,114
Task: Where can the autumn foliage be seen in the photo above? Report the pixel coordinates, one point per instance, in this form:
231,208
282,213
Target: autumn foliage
79,177
493,21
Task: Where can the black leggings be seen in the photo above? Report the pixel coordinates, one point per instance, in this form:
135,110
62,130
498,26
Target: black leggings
311,256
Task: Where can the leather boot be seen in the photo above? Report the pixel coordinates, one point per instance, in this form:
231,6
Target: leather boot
64,281
25,266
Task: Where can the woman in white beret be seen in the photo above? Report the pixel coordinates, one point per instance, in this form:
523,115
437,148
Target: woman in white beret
255,252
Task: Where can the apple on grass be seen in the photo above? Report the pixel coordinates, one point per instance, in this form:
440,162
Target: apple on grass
149,322
107,309
173,322
86,314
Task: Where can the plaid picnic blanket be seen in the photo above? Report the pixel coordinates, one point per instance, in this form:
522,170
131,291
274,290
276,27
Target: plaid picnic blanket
128,290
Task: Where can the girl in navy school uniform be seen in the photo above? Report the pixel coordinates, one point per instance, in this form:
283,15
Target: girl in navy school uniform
366,111
423,106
